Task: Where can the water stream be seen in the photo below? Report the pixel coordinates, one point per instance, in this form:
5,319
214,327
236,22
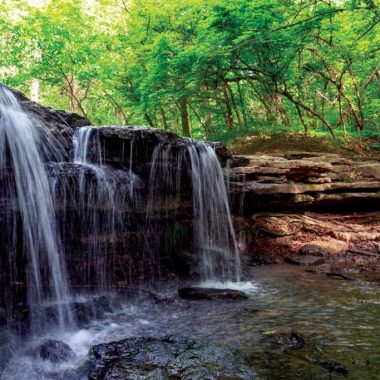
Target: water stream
213,233
338,319
26,176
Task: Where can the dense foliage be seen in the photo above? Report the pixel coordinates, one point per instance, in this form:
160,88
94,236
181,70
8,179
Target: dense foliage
207,68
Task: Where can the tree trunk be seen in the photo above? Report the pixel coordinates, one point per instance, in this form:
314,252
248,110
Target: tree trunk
240,121
184,116
242,103
149,120
301,117
230,118
164,120
209,121
310,110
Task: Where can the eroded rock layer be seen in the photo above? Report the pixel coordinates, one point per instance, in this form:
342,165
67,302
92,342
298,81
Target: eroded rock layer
306,181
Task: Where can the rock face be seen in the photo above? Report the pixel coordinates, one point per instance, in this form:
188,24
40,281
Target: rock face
211,294
307,208
305,181
56,120
167,358
339,240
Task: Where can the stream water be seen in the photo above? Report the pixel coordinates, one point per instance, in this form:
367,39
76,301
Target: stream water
338,319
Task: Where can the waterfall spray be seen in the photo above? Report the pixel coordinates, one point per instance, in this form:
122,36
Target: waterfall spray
22,161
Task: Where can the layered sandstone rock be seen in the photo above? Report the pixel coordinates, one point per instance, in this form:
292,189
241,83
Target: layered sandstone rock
305,181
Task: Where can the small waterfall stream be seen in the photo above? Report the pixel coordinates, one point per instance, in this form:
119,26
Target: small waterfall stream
104,194
25,172
214,235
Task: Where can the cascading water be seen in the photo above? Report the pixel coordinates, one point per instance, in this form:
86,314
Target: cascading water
214,235
105,194
118,228
23,169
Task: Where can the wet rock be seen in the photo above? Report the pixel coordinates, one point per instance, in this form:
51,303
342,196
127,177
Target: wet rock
339,276
304,260
55,351
94,308
334,367
321,248
167,358
293,341
195,293
83,311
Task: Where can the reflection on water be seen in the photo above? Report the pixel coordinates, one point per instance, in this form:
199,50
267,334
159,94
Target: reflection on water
340,321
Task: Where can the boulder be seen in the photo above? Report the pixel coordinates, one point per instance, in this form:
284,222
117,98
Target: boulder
196,293
371,170
55,351
93,308
321,248
170,357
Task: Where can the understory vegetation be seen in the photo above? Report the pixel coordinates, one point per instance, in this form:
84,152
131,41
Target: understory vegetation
210,69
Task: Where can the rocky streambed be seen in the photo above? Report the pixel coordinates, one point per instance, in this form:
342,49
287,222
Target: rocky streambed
291,325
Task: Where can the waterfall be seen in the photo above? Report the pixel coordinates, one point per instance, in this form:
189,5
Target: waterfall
22,168
196,162
214,235
105,196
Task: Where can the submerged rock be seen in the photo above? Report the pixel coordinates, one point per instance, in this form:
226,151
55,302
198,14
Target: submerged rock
93,308
292,341
332,366
211,294
167,358
304,260
55,351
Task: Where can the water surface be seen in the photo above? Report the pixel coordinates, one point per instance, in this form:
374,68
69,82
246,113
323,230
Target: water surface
338,319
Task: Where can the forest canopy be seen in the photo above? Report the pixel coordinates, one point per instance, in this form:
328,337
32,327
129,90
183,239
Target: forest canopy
210,69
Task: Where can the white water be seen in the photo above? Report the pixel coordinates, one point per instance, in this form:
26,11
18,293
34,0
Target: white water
244,286
214,235
102,202
20,139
